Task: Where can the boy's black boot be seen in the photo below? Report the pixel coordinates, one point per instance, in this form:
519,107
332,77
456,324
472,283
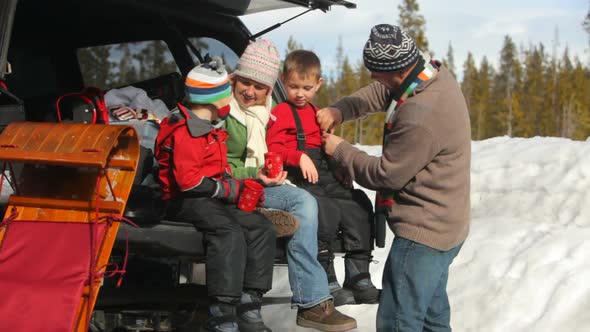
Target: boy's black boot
358,279
249,315
341,296
222,316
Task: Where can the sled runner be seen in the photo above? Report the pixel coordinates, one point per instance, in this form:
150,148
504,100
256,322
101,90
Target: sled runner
71,184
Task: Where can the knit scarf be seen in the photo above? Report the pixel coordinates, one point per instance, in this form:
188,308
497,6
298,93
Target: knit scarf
422,72
255,119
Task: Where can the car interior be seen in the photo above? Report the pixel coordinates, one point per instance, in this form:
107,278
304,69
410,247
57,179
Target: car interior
52,49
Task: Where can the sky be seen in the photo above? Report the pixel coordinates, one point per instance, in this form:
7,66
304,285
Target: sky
469,25
525,264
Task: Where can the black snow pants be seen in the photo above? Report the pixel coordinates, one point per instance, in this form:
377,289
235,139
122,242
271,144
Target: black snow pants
240,246
342,211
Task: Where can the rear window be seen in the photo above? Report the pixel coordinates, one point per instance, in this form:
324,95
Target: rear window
214,47
116,65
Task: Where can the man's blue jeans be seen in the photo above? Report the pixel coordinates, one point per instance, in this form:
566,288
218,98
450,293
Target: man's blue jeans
307,278
414,295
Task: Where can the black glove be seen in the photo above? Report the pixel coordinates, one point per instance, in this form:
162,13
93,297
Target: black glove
229,190
383,205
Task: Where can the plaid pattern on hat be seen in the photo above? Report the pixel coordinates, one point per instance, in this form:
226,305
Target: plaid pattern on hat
389,49
260,62
208,83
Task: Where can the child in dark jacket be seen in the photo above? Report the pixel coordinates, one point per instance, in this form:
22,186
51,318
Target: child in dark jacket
196,181
294,132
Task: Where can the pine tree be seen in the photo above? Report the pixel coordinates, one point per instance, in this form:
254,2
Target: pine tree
339,56
154,61
552,86
95,65
363,74
293,45
323,98
449,60
483,93
505,91
534,97
127,72
581,101
372,125
586,25
413,23
469,86
347,84
566,96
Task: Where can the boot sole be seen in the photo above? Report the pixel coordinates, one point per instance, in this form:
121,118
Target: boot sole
245,326
285,223
326,328
366,296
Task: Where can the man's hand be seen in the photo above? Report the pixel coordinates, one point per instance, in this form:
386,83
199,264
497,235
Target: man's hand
330,142
310,173
271,182
328,118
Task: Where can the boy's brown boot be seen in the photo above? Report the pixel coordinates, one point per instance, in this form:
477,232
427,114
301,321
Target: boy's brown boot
325,317
285,223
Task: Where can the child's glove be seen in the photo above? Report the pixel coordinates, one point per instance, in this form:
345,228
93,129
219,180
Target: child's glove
383,205
229,190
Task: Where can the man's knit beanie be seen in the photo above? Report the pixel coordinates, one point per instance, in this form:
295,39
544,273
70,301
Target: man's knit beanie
208,83
389,49
260,62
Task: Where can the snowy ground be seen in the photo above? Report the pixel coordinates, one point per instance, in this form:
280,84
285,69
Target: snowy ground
526,263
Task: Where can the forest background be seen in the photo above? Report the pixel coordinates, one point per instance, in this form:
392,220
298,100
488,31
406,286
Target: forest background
529,90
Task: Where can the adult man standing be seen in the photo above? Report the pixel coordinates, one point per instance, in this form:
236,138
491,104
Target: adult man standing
422,178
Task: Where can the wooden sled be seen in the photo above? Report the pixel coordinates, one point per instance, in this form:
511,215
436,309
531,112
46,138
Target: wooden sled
71,184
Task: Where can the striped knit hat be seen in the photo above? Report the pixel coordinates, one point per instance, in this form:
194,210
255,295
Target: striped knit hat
260,62
208,83
389,49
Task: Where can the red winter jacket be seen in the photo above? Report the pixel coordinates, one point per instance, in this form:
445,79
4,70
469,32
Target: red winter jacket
281,134
191,154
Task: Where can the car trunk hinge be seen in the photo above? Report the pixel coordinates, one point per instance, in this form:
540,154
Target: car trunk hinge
271,28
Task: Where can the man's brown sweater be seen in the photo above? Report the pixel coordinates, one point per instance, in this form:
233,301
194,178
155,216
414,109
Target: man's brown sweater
425,162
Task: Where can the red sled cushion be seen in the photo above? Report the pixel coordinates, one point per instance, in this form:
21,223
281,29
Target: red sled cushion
43,269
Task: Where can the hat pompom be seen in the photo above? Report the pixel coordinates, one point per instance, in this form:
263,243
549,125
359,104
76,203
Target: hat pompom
208,83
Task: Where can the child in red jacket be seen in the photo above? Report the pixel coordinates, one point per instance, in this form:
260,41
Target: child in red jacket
294,132
196,181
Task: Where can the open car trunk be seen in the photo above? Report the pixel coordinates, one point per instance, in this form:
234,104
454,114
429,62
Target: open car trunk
46,64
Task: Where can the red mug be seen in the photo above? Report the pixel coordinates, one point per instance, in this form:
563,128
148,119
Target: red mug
250,195
273,163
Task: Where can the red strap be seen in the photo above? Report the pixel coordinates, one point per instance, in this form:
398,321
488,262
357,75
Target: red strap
100,103
77,94
381,200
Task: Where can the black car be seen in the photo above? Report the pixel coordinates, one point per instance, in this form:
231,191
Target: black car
49,49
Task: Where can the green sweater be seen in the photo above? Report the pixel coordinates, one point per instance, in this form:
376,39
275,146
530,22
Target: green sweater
236,149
